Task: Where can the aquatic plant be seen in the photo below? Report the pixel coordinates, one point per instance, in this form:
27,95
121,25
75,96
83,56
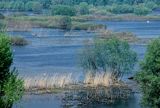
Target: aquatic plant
49,81
18,41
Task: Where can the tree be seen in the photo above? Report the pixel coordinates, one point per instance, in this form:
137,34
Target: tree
118,9
63,10
141,10
83,8
109,54
33,6
11,87
149,75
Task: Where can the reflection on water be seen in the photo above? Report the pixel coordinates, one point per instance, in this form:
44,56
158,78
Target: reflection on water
55,101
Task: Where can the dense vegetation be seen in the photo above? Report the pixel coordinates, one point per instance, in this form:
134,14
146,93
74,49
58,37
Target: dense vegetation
11,88
82,6
110,55
149,76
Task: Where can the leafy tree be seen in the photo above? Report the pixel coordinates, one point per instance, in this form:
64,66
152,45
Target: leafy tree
149,75
141,10
151,5
118,9
83,8
109,54
11,88
63,10
33,6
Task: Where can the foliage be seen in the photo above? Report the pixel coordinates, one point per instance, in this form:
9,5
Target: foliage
141,10
149,75
118,9
151,5
83,8
63,10
5,57
11,88
33,6
109,54
65,22
2,26
46,4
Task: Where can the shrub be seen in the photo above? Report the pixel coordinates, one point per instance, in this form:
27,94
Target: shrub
141,10
18,41
151,5
5,57
149,75
11,88
109,54
65,22
33,6
118,9
83,8
63,10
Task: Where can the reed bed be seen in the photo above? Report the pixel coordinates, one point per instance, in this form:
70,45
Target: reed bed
49,81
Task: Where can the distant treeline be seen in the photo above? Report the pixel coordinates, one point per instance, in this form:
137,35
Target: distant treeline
113,6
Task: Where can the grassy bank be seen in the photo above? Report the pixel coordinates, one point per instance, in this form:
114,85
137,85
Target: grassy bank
117,17
25,23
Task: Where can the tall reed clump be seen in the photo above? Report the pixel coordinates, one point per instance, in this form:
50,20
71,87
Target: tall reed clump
49,82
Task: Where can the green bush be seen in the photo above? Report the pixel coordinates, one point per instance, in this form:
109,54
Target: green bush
119,9
5,57
63,10
11,88
110,55
141,10
151,5
149,75
33,6
83,8
65,22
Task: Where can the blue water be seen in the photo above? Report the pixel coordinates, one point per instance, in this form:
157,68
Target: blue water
140,28
52,50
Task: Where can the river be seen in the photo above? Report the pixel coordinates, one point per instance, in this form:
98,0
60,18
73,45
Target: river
52,50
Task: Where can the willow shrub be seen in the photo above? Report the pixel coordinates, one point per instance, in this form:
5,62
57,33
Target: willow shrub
149,75
109,54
